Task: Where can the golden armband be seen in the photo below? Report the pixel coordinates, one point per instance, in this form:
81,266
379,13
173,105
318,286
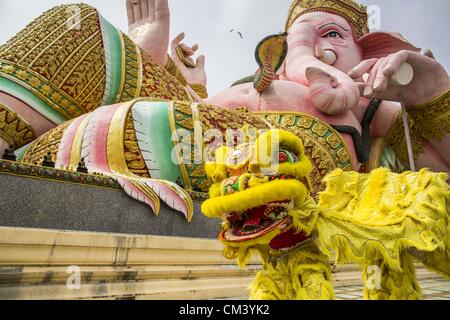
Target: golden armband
14,129
433,118
173,70
396,138
200,89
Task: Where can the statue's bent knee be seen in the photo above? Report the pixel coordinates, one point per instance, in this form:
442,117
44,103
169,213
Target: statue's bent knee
70,61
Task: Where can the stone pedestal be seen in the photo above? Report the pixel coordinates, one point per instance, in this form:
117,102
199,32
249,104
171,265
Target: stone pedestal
35,197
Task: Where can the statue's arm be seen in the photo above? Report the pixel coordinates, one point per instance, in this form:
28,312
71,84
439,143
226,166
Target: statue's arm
429,152
430,79
426,98
149,25
432,120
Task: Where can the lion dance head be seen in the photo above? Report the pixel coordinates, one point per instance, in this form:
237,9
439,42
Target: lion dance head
262,193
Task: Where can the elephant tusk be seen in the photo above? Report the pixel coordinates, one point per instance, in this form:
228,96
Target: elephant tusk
326,56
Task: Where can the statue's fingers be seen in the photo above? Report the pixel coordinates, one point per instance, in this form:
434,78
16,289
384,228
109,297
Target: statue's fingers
200,62
363,68
144,9
428,53
394,63
162,10
368,91
177,40
136,9
188,51
130,13
381,81
361,86
151,10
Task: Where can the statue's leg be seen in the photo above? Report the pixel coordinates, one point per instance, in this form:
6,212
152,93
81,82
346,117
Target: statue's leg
66,63
384,283
304,274
137,139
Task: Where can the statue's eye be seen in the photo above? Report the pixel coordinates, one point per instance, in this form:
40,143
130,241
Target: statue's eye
333,34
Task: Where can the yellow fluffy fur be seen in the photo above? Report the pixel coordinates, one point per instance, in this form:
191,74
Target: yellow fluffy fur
277,190
382,215
379,219
303,274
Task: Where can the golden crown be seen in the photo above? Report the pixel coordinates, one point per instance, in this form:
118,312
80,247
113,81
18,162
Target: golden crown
353,12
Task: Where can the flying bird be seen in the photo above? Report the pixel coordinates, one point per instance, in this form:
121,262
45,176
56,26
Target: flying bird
239,33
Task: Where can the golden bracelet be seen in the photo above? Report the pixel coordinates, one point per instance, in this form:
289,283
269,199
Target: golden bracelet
170,66
433,118
396,138
174,71
200,89
14,129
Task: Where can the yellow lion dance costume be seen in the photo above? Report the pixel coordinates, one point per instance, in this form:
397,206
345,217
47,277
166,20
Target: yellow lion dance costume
378,220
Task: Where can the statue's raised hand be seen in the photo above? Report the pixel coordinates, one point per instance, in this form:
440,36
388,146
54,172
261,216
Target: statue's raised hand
149,24
193,72
430,79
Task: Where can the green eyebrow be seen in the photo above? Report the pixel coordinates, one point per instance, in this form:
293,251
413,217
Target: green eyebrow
333,23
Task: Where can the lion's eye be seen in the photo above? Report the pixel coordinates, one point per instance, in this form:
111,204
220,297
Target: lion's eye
283,157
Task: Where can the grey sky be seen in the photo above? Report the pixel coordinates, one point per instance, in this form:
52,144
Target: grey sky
228,57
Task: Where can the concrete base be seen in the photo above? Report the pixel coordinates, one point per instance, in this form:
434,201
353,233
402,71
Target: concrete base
45,264
38,203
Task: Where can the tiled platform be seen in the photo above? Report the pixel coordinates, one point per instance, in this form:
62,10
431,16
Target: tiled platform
433,289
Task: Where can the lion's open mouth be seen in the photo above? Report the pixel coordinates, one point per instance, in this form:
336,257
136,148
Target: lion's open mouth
256,222
262,209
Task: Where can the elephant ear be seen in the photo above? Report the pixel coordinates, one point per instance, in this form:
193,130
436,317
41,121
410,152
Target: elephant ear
270,55
381,44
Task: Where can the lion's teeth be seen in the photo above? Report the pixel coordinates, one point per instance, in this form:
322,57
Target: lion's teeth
273,216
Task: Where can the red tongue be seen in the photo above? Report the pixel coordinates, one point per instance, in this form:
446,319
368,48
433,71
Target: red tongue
287,240
254,216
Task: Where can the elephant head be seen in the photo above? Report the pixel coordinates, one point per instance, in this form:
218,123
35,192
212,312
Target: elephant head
319,48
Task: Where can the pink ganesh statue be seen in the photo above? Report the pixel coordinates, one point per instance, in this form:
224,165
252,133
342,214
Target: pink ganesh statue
319,68
311,73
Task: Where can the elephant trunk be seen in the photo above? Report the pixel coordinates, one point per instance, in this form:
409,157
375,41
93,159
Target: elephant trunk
332,91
